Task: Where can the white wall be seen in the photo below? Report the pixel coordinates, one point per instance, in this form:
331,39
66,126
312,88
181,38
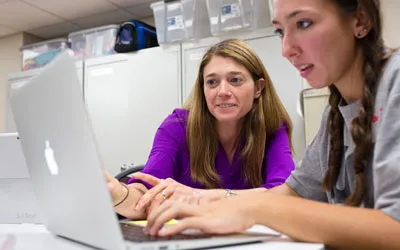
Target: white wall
10,61
149,21
391,18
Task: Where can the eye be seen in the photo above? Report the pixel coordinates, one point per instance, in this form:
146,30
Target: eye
304,24
211,81
236,80
279,32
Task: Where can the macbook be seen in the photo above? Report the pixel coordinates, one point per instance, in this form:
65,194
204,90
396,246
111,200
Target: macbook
67,171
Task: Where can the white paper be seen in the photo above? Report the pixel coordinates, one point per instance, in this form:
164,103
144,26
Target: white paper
230,11
175,23
102,72
262,229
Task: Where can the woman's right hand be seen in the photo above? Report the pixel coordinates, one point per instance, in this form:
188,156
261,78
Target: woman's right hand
125,197
117,190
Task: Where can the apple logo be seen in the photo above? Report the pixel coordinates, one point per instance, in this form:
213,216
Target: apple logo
50,160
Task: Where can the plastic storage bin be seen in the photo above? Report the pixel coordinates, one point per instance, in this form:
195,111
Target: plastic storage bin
228,15
94,42
181,20
39,54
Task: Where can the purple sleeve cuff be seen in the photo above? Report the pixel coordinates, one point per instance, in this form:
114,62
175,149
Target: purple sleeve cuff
278,159
159,165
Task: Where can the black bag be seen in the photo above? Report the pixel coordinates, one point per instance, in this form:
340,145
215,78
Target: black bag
134,35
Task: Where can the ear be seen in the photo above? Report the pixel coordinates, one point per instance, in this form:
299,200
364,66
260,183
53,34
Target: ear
260,85
362,23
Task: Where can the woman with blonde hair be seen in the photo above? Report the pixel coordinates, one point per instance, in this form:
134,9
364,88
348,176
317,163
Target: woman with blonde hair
231,138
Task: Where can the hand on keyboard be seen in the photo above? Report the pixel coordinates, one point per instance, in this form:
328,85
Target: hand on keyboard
168,189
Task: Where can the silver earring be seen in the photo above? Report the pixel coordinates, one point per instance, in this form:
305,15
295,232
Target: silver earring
360,34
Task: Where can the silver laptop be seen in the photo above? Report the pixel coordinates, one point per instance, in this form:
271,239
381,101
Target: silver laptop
17,198
66,169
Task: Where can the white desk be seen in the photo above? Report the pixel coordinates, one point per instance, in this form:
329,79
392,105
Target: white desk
36,237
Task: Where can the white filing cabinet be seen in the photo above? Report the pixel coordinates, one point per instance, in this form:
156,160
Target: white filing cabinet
127,97
287,81
314,103
23,76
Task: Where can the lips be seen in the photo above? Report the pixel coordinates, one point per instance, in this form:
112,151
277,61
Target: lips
304,68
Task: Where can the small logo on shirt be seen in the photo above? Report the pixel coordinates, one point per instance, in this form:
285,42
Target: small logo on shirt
376,118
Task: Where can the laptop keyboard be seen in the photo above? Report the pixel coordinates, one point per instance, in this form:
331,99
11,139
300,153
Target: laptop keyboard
135,233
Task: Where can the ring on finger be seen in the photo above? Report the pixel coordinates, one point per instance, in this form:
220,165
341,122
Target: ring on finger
164,194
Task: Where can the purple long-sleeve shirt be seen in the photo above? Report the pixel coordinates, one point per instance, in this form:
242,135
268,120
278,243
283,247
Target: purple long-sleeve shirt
169,157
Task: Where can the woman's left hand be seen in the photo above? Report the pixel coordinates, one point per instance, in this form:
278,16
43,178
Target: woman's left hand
163,190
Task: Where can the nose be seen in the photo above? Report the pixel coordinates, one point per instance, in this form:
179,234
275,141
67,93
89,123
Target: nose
224,89
289,47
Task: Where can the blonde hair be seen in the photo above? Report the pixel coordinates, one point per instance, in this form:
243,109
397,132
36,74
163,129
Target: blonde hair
259,127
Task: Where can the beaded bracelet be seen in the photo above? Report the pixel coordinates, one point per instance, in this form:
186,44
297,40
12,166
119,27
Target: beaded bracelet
229,193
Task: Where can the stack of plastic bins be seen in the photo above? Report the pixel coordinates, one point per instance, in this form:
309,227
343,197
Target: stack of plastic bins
38,55
178,21
229,15
94,42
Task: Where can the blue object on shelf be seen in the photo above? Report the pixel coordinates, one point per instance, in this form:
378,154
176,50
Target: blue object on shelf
135,35
46,57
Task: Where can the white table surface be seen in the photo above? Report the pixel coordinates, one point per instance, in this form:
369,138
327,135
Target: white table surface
36,237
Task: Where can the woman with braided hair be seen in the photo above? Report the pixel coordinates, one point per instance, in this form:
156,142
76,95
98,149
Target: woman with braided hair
346,193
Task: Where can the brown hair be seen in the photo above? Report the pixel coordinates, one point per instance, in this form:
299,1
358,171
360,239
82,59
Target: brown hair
260,124
373,50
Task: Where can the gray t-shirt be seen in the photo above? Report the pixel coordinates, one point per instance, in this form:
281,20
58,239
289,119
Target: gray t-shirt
383,168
